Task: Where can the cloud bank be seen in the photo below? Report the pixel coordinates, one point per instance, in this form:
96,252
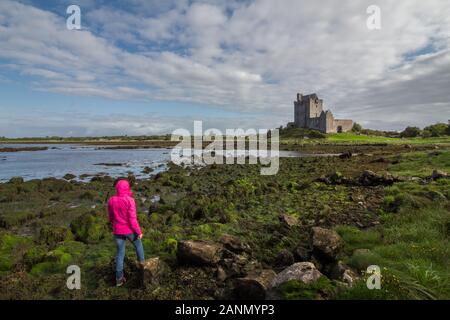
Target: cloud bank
241,56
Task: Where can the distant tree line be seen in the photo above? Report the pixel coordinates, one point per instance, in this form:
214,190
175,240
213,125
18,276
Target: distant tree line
435,130
357,128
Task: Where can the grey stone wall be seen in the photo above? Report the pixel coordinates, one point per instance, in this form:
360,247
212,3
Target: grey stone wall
343,125
309,113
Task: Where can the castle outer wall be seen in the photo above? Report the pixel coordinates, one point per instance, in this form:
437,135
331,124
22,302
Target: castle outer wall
309,113
344,124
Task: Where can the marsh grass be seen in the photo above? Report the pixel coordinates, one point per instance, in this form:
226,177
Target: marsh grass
414,240
421,164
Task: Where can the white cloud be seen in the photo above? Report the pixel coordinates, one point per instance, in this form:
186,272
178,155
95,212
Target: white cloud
245,56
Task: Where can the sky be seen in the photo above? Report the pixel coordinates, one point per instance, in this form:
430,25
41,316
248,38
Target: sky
142,67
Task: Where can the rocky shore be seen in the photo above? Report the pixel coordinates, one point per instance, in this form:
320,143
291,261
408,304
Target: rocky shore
225,232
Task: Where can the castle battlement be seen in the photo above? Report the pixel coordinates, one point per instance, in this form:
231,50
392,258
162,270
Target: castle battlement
309,113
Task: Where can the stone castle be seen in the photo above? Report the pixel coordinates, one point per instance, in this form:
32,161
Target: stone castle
309,113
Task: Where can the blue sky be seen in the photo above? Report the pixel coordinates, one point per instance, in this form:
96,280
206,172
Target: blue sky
149,67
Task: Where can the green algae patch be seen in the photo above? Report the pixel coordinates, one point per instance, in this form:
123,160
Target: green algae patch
209,230
297,290
34,255
170,245
11,250
58,259
100,254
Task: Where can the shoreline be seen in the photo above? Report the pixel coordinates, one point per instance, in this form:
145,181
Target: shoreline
364,198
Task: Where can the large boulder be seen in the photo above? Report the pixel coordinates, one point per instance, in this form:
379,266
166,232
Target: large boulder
52,235
325,243
234,244
199,252
305,272
153,270
255,285
238,265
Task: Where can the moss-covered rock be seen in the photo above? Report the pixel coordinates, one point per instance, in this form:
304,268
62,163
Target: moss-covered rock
11,250
34,255
298,290
90,227
51,235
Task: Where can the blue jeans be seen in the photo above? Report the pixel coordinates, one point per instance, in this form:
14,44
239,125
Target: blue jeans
121,240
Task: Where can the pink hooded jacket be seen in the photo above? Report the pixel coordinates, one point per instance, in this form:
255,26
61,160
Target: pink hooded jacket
122,210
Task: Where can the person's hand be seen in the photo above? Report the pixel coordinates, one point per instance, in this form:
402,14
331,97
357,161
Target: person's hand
140,236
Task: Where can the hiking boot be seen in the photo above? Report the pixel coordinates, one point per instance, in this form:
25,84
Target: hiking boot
121,282
141,274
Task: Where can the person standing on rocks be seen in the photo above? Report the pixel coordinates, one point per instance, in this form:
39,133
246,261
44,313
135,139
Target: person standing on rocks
125,226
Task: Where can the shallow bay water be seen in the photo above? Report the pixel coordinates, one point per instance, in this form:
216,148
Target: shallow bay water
60,159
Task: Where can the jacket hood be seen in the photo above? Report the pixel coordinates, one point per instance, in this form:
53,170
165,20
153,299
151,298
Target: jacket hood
123,188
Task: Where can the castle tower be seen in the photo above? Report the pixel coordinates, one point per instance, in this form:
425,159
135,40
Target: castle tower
299,112
309,113
306,108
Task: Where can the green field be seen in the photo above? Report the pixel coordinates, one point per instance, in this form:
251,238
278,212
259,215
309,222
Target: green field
349,137
299,136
